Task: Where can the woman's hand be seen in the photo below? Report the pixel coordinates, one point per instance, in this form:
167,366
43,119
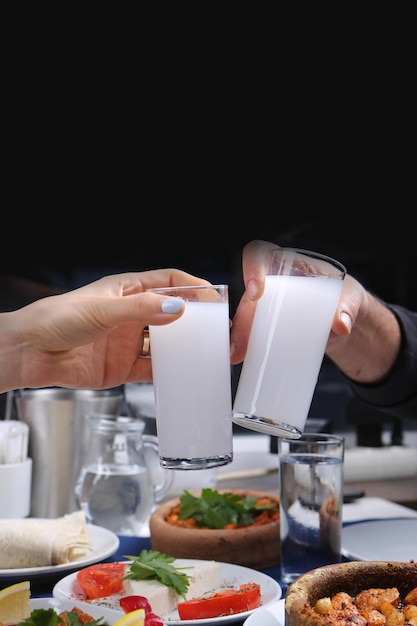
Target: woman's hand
90,337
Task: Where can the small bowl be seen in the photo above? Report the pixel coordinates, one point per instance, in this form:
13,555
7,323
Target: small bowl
351,578
256,547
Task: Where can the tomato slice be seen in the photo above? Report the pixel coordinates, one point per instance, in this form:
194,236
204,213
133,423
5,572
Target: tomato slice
223,602
102,579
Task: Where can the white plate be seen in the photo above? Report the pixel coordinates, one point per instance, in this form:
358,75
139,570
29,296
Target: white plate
273,615
59,605
232,575
104,542
381,540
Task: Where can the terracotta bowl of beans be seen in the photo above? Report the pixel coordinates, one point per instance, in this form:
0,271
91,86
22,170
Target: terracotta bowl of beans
255,545
359,592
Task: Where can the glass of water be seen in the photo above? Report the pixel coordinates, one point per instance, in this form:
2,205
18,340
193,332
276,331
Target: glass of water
311,498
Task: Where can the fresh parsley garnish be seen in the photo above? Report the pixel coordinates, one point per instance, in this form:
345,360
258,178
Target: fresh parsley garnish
215,510
48,617
154,565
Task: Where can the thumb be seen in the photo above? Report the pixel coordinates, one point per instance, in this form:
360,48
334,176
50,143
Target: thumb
350,301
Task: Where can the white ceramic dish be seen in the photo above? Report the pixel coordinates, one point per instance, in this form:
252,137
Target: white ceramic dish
273,615
233,575
104,542
60,604
381,540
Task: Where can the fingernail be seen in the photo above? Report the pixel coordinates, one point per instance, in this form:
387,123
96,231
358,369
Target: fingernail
252,288
172,305
232,348
345,318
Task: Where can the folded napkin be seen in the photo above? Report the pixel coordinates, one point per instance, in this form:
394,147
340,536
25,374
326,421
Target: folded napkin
41,542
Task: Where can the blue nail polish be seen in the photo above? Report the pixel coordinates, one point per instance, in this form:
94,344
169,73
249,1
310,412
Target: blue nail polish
172,305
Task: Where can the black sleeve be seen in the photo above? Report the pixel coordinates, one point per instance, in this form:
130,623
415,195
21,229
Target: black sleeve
397,394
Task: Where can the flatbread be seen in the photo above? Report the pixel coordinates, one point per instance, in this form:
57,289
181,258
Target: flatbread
42,542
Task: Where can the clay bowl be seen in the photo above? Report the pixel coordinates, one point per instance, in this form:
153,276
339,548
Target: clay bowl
257,547
351,578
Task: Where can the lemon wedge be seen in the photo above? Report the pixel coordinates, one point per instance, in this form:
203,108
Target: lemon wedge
134,618
15,603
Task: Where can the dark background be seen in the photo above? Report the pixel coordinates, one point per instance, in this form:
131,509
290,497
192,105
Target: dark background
66,256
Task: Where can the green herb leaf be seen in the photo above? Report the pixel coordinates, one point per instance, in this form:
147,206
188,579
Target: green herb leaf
154,565
42,617
215,510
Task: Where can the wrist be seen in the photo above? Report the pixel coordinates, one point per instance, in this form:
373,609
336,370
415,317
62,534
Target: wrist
10,353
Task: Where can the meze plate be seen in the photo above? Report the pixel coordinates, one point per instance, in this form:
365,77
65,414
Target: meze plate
110,616
233,575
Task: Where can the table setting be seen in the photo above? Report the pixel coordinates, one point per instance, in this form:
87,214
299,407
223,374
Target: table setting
48,582
253,465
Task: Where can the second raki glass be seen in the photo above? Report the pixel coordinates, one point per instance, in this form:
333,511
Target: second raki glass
192,380
291,326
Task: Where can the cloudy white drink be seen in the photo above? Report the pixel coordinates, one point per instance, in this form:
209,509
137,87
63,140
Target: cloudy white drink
286,346
192,382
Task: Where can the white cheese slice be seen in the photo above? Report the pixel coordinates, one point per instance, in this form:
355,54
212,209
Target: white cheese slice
206,576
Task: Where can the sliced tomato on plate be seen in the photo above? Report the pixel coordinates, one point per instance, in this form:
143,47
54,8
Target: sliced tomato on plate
222,603
101,579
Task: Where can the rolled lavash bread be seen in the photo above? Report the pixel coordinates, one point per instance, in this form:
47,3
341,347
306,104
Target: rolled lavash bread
41,542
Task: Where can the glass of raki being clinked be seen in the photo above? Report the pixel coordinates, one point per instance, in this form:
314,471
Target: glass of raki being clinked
192,380
287,342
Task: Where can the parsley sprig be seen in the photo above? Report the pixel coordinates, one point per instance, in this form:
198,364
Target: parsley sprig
214,510
154,565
